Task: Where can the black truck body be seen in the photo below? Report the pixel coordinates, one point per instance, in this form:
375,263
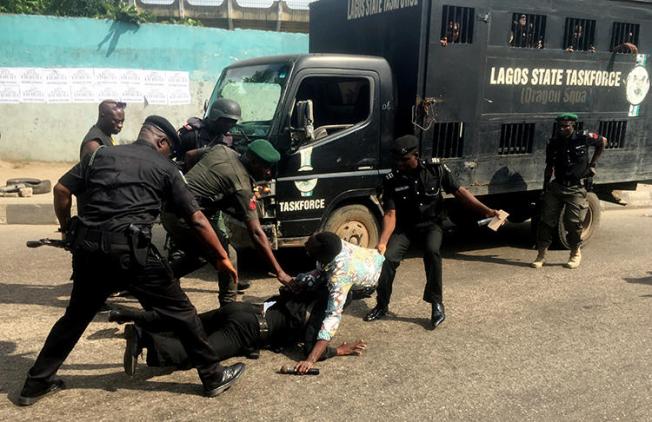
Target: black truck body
479,90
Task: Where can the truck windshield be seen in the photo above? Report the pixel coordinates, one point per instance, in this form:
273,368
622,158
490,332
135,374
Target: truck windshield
258,90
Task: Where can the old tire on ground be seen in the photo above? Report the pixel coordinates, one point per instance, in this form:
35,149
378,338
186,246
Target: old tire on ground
38,186
355,224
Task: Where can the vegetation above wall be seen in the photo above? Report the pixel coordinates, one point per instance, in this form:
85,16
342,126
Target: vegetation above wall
118,10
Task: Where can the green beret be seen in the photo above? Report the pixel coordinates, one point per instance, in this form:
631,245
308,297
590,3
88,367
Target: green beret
567,116
265,151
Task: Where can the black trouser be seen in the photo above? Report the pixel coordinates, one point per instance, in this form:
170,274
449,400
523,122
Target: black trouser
573,200
98,274
232,329
429,240
194,255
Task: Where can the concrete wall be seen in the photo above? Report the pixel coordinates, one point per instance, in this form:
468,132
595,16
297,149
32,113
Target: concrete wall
52,132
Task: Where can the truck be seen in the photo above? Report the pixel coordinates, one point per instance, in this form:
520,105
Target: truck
478,82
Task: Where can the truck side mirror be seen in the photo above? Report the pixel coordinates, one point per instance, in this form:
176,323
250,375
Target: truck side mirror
304,129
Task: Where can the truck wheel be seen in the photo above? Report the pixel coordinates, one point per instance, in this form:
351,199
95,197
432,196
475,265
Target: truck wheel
591,222
355,224
38,186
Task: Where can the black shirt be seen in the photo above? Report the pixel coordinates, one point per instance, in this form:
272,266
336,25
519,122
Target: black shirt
96,134
126,185
417,196
570,157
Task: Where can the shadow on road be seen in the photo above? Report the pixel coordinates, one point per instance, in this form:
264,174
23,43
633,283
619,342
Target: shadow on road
36,294
643,280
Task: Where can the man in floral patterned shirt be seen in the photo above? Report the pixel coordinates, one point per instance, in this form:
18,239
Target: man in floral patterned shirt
346,268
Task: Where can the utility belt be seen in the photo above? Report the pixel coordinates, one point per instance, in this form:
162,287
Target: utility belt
568,182
136,240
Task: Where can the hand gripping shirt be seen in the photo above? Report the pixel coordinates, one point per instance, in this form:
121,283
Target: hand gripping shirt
353,268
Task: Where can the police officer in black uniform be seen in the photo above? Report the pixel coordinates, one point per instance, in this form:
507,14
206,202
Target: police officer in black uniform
197,135
567,158
124,188
111,117
412,201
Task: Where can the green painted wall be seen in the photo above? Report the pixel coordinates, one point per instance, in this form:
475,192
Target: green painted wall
53,131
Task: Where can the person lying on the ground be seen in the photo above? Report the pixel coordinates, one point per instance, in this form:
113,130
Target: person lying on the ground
235,329
345,269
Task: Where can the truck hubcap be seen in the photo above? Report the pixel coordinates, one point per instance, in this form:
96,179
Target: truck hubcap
354,232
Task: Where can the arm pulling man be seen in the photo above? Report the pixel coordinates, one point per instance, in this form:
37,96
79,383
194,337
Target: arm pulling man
222,181
413,205
567,158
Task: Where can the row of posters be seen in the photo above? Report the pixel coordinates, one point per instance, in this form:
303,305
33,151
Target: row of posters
91,85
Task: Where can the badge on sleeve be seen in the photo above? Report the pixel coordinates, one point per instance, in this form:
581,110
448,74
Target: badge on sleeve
252,203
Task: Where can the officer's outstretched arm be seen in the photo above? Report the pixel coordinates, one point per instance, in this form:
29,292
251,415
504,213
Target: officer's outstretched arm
259,238
62,204
467,198
206,233
389,224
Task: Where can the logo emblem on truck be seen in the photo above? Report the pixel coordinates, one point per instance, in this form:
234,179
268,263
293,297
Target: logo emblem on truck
638,85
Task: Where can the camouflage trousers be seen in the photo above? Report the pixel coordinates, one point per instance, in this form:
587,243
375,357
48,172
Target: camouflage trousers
573,200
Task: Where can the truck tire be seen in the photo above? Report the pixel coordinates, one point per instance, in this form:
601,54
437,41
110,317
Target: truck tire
355,224
591,222
38,186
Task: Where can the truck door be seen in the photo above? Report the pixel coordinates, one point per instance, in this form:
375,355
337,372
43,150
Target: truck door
340,163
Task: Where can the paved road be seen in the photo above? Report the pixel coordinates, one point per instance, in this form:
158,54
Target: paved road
519,344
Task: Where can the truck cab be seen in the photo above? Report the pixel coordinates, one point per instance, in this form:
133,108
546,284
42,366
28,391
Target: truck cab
331,117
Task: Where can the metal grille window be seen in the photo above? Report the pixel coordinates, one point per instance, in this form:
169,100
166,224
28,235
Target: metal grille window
528,31
448,139
457,25
579,34
614,131
516,138
622,33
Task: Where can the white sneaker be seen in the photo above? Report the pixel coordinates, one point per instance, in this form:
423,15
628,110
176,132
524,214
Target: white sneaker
574,259
539,260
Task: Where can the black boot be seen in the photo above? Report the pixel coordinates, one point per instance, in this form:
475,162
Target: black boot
213,387
126,315
438,315
376,313
35,391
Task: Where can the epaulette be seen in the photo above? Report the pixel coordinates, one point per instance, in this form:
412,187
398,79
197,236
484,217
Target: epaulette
435,160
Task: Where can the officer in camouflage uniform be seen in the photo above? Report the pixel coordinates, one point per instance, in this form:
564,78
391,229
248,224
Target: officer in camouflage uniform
223,181
567,158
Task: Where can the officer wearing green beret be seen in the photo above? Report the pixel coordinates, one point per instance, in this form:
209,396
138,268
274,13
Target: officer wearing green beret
567,158
223,181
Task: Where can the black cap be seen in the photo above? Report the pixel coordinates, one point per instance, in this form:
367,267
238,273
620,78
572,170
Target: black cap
170,132
404,145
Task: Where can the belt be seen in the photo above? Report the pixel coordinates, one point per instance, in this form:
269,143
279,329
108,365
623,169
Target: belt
568,183
263,328
99,236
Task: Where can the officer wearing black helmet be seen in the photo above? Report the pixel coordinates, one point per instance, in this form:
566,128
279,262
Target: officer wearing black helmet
567,158
412,201
199,134
124,188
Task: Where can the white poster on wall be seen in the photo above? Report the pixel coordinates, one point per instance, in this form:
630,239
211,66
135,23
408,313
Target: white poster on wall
91,85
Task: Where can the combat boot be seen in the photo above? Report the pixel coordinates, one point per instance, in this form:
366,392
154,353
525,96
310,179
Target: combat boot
574,259
540,259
